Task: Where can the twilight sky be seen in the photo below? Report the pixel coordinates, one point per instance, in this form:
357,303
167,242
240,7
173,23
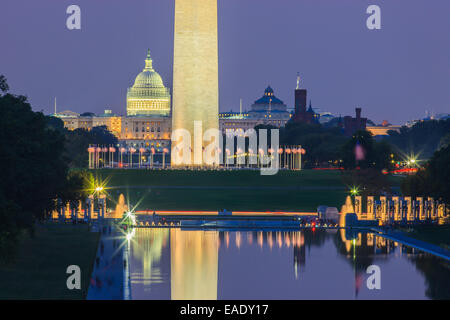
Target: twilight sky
395,73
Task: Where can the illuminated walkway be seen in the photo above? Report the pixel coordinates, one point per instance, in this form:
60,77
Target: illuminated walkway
417,244
107,279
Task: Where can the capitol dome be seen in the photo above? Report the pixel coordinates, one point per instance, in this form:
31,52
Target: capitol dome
148,96
148,79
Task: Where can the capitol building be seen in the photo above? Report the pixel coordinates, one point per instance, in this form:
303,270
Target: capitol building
148,120
148,96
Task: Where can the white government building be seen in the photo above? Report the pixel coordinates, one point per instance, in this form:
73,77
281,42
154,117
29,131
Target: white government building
148,122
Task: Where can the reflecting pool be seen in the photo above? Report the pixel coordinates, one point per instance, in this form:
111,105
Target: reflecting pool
306,264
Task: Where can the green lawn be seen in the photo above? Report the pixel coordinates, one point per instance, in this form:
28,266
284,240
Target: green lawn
232,190
219,178
39,270
231,199
242,190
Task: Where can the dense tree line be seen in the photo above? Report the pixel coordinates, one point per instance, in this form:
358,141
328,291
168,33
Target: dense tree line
328,146
374,154
323,145
78,141
433,179
35,160
422,139
32,165
366,169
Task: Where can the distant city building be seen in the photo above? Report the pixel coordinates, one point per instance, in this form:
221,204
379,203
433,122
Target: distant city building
325,117
268,110
269,107
442,116
385,123
88,121
66,114
300,113
428,117
380,131
133,131
148,96
351,125
148,122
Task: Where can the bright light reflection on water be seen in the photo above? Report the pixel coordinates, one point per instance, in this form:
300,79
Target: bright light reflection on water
178,264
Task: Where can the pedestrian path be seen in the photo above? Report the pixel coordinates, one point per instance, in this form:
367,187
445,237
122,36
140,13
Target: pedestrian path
418,244
107,279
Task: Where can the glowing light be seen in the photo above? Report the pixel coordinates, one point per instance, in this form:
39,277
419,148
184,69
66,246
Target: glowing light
130,218
354,191
95,185
130,235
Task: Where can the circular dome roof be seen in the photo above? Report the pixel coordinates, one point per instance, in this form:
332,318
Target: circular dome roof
268,90
148,78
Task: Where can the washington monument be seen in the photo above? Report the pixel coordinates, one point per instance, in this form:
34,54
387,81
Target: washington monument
195,78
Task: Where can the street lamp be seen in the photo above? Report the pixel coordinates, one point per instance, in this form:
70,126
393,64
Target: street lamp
354,191
141,152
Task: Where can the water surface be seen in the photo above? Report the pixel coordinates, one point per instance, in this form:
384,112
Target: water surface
307,264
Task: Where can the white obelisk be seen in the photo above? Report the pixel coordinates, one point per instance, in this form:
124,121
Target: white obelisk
195,73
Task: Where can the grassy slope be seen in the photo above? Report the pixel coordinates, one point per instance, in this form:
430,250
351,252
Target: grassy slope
233,190
39,271
237,200
220,178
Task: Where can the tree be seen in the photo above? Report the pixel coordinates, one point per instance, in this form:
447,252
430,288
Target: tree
55,123
433,180
445,142
78,141
364,160
371,154
32,164
422,139
322,144
368,181
3,84
77,187
34,167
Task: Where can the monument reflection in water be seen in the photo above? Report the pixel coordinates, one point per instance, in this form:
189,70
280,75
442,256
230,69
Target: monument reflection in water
307,264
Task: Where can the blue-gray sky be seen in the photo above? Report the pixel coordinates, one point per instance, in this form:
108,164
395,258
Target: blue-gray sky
395,73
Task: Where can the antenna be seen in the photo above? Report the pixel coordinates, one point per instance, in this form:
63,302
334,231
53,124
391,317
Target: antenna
55,105
298,80
240,107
